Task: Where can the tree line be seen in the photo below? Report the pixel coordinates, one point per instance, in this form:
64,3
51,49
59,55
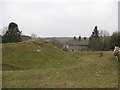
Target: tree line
11,34
99,40
102,41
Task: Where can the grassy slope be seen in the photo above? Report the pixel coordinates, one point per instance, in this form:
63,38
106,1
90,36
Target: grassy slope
52,67
24,55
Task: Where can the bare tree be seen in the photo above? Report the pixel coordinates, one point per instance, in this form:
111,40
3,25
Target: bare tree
105,39
103,33
3,30
33,35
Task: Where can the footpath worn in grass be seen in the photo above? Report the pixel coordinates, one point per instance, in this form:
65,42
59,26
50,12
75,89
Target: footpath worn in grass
38,64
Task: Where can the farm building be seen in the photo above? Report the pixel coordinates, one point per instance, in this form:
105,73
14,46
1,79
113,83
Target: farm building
77,45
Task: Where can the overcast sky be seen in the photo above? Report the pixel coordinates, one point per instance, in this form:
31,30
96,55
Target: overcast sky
60,17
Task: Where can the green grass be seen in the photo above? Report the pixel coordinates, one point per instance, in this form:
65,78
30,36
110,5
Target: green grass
24,67
24,55
64,40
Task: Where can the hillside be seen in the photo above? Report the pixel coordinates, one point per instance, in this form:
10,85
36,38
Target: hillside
38,64
32,54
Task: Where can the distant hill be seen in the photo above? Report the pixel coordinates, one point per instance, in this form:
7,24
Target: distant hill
63,40
60,39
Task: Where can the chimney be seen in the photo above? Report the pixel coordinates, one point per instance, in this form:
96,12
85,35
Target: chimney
74,38
79,38
84,38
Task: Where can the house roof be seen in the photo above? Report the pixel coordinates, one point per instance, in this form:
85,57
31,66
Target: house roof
77,42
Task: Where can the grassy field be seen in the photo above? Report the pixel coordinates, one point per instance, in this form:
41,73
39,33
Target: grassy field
61,40
38,64
64,40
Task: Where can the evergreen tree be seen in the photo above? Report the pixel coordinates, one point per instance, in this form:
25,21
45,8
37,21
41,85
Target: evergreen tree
95,33
12,34
95,42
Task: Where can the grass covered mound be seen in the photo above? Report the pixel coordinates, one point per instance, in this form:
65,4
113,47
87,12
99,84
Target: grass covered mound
38,64
33,54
